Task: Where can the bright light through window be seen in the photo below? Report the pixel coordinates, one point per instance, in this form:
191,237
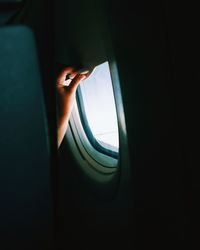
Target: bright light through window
99,106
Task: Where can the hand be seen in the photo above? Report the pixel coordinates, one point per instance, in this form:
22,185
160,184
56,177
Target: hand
66,97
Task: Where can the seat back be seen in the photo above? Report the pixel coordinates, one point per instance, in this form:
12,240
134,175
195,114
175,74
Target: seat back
25,181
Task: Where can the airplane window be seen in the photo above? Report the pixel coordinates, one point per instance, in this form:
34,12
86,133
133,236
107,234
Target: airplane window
97,110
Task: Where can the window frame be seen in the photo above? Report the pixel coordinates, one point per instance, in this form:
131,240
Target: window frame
96,159
96,166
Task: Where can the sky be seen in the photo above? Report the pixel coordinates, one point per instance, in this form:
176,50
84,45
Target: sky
98,98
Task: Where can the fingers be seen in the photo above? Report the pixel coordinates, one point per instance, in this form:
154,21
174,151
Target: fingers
82,72
62,76
76,81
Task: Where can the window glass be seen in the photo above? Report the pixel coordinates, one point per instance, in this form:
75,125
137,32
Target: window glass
98,108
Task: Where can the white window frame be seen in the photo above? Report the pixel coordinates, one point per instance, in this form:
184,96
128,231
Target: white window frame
89,159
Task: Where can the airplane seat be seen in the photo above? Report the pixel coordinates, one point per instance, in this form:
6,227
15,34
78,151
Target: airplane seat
25,181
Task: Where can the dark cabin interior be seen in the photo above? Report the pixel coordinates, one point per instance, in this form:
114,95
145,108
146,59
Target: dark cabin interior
46,201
